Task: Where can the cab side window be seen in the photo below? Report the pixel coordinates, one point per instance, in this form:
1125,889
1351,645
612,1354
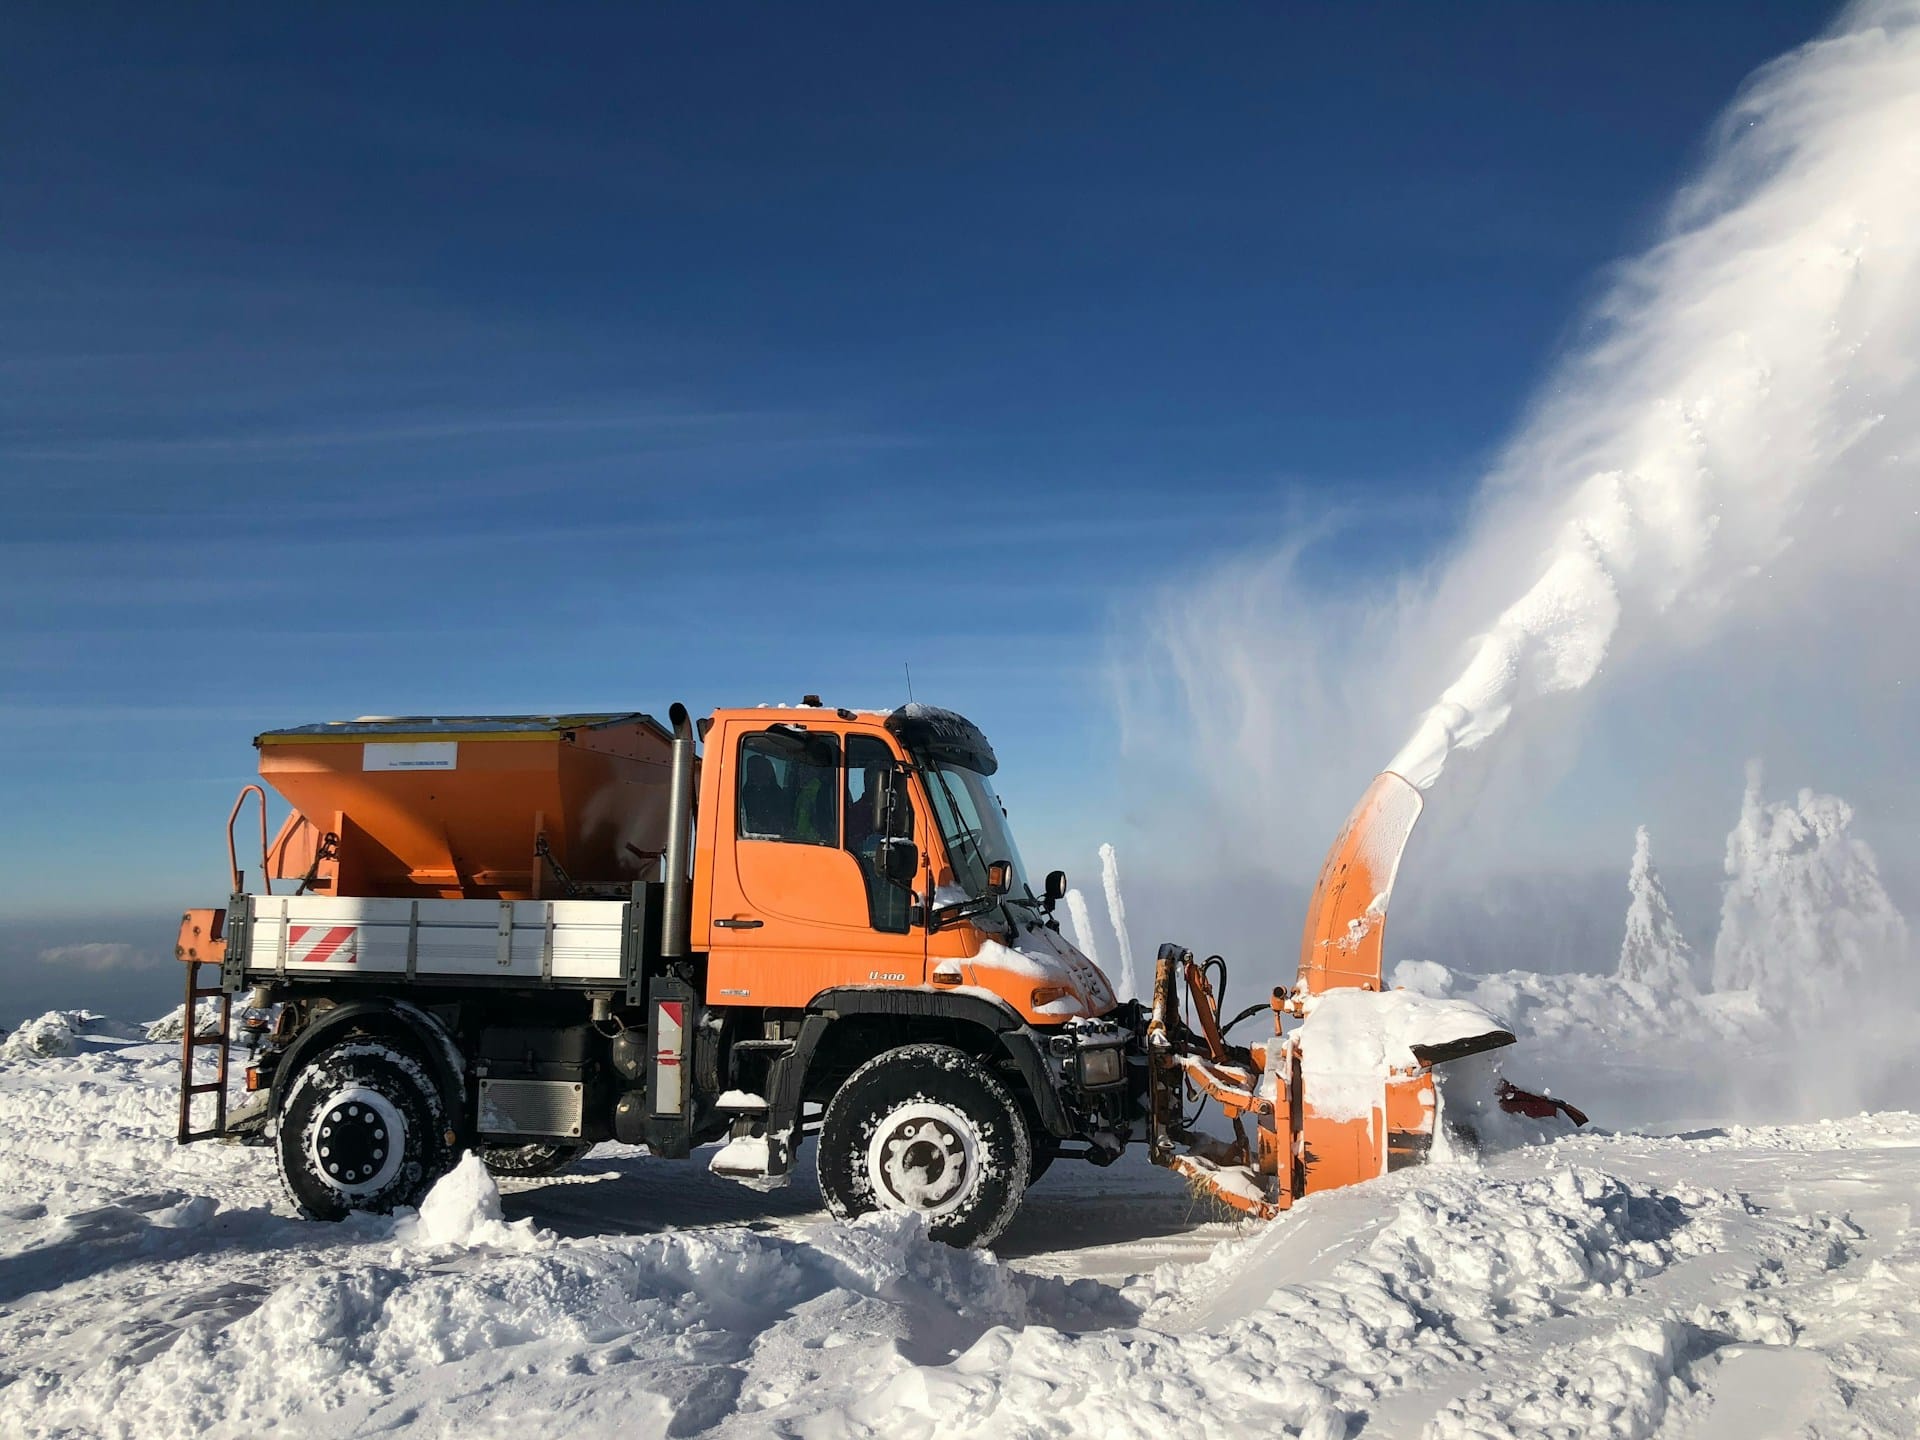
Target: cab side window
789,788
875,811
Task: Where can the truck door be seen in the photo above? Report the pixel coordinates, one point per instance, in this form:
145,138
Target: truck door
798,904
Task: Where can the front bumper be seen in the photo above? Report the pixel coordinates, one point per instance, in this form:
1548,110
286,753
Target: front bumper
1097,1076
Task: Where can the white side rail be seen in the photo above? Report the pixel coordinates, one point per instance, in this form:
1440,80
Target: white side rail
309,936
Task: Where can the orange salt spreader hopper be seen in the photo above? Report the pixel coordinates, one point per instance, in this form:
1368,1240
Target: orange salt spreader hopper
508,807
1354,1124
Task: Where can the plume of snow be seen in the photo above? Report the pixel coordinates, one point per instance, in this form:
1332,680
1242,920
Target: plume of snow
1736,449
1756,357
1653,954
1080,923
1124,985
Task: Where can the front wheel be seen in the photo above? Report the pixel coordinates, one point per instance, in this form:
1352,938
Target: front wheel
364,1127
928,1129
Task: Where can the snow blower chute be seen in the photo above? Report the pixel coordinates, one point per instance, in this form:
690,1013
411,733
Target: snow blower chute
1346,1094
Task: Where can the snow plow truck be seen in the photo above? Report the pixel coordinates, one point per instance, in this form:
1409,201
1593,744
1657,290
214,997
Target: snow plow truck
525,935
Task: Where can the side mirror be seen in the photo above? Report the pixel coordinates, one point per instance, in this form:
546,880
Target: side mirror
899,860
1056,888
1000,876
892,812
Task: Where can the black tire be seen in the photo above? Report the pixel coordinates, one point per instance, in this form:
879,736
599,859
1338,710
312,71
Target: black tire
366,1109
532,1160
926,1128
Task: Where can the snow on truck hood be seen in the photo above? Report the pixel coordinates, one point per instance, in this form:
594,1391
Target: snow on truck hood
1039,957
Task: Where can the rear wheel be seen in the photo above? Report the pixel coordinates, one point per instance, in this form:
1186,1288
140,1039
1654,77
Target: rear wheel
363,1127
538,1158
928,1129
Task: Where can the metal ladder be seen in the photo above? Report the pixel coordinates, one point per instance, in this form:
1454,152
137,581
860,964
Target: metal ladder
191,1041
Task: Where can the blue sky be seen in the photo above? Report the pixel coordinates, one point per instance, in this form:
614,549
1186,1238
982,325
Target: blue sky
444,361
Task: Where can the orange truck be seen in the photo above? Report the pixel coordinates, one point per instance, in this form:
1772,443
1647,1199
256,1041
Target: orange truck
525,935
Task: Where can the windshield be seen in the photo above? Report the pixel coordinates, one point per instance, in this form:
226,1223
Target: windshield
974,826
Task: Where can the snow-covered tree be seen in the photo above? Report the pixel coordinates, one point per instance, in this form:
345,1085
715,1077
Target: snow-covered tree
1654,952
1805,918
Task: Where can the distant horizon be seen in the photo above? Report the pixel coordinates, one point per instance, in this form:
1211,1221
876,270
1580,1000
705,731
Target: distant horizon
147,983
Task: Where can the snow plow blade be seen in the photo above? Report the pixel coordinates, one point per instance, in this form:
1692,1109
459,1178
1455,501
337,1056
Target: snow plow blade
1348,1094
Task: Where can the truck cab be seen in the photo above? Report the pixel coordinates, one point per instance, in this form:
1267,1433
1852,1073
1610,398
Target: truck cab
870,850
786,920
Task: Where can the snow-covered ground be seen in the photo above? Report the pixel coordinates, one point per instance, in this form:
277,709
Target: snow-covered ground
1736,1282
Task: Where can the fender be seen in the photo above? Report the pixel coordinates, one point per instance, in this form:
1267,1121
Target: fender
391,1018
1016,1038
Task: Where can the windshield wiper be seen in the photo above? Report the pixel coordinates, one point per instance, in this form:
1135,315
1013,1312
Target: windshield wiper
973,909
963,834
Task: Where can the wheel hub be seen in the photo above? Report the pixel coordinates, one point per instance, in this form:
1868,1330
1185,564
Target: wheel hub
357,1141
925,1158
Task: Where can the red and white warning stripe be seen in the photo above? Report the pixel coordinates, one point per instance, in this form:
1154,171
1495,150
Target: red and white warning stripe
669,1048
323,944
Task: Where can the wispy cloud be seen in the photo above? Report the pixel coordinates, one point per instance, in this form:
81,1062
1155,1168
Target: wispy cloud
376,433
97,956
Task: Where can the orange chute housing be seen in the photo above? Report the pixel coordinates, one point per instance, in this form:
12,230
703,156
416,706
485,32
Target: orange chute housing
1347,916
458,808
1342,946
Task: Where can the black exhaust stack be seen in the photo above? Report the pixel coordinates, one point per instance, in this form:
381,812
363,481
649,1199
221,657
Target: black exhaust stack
676,919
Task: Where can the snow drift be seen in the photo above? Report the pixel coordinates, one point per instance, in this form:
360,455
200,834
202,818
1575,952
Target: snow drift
150,1291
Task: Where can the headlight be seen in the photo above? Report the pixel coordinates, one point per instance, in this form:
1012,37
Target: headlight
1100,1067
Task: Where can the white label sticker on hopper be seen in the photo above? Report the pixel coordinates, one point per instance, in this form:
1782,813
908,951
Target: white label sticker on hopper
411,755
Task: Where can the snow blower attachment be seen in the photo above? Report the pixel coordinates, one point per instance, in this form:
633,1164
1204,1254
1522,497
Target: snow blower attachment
1344,1096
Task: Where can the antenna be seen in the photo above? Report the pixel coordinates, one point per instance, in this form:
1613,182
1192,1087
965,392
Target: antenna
909,667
